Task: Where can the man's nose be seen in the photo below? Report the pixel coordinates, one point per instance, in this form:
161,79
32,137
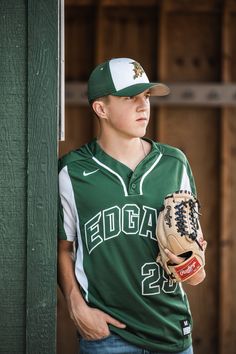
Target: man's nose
143,103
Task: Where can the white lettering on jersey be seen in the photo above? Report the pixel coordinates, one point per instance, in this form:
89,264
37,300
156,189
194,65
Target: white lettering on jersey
149,222
130,220
92,232
113,221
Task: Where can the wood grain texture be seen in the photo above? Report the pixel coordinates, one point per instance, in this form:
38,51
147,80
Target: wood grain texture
193,47
79,26
78,128
111,2
189,43
42,175
13,163
227,310
176,41
191,129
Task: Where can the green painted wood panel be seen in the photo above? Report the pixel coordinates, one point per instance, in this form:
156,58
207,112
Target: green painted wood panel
13,176
42,176
28,175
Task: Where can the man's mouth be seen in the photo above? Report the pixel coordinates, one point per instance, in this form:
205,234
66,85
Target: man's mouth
141,119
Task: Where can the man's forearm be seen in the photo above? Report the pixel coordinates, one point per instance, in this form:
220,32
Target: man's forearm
66,277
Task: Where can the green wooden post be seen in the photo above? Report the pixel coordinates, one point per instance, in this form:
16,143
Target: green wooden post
13,182
28,175
43,108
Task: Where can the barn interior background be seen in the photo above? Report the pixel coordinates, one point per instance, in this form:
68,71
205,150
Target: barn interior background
190,46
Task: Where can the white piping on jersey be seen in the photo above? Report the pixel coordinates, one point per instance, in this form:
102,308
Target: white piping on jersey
121,179
182,290
71,217
66,195
185,183
148,171
114,173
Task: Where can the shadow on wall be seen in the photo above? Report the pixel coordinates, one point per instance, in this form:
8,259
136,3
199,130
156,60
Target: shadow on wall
66,331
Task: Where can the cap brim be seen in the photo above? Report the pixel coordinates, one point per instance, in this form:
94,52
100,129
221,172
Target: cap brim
156,89
159,90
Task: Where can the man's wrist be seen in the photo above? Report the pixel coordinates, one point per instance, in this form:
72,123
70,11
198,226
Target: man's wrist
74,295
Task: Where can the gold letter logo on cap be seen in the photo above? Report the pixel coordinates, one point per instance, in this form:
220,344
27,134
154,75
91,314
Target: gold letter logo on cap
138,70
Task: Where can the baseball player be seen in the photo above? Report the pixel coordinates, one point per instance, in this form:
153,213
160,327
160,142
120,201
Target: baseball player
111,191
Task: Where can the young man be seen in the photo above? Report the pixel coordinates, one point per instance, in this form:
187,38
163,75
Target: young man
111,191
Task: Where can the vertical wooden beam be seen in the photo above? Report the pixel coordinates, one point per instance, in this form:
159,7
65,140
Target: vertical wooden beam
226,296
184,36
100,22
162,46
99,50
43,102
13,147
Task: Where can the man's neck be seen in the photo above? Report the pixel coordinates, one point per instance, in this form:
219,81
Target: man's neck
130,152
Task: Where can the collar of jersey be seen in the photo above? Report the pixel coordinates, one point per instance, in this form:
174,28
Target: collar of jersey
123,172
118,166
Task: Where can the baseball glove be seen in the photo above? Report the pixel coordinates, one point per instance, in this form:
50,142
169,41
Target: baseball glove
179,231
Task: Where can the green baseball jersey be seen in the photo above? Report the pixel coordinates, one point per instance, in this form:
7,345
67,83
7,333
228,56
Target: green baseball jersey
110,212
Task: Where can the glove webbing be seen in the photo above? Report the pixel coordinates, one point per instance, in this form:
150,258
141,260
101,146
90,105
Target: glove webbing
181,222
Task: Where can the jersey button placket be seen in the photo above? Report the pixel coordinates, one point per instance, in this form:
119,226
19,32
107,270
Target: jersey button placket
132,187
133,184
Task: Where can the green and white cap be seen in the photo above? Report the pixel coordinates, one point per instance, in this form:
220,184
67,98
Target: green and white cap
122,77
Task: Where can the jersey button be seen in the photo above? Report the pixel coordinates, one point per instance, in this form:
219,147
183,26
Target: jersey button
133,186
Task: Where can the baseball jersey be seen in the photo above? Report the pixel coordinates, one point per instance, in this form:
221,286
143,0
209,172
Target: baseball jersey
110,211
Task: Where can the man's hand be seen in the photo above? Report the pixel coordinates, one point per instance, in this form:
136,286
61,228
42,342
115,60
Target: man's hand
91,323
197,278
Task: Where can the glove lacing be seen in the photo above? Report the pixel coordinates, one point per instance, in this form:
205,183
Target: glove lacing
181,219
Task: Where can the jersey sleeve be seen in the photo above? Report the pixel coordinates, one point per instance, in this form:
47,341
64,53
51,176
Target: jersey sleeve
187,182
66,209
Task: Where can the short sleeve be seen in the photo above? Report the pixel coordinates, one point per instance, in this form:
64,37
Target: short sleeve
187,182
66,207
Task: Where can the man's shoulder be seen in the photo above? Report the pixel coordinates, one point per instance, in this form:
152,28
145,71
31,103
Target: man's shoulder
74,156
172,152
68,158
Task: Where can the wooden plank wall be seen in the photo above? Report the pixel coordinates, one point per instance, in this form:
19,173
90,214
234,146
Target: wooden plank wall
228,191
176,41
193,55
13,164
28,175
42,168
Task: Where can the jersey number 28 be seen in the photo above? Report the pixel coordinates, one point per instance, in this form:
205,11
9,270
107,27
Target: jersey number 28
155,280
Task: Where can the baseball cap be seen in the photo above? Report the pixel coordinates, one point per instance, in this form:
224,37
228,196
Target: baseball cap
122,77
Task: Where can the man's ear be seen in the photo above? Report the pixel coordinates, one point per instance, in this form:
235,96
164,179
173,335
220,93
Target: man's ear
99,108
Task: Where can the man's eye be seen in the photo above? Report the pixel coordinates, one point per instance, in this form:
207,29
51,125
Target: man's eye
129,98
147,95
